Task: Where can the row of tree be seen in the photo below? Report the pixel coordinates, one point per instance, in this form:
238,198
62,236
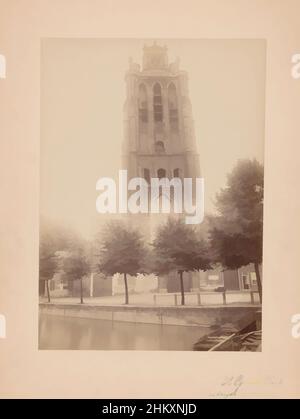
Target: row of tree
232,238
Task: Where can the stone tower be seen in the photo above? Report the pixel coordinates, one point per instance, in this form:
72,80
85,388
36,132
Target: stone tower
159,131
159,136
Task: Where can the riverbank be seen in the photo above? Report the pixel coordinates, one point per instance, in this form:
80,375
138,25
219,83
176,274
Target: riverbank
163,299
204,316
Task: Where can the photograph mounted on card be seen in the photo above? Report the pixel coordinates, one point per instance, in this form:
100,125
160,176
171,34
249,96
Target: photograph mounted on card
151,194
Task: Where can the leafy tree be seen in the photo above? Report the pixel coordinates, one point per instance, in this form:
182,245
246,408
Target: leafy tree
53,241
177,246
47,268
75,265
122,251
236,233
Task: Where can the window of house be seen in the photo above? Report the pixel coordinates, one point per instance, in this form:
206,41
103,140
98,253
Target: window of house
245,282
253,278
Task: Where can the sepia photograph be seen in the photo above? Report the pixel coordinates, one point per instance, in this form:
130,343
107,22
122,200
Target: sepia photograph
151,194
149,203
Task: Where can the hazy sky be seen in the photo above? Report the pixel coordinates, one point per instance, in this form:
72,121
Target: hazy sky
82,97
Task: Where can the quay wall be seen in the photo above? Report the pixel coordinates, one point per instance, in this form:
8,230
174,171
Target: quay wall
206,316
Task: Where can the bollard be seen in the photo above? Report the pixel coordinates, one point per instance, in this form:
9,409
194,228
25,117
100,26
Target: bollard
224,298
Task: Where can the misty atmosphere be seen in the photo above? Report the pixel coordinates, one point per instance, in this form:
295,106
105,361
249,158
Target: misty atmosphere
159,109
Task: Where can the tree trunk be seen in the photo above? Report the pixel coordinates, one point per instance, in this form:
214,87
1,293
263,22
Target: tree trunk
81,292
259,286
181,288
126,289
92,285
48,291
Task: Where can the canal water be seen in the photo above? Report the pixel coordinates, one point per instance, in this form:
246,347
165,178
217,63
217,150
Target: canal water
57,332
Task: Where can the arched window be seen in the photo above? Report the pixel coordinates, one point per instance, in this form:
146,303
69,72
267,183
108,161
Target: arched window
159,147
147,175
161,173
173,107
157,103
143,105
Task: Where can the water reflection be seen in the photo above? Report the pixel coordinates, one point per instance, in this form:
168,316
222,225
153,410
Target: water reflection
56,332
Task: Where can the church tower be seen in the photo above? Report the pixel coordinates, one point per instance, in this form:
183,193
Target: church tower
159,132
